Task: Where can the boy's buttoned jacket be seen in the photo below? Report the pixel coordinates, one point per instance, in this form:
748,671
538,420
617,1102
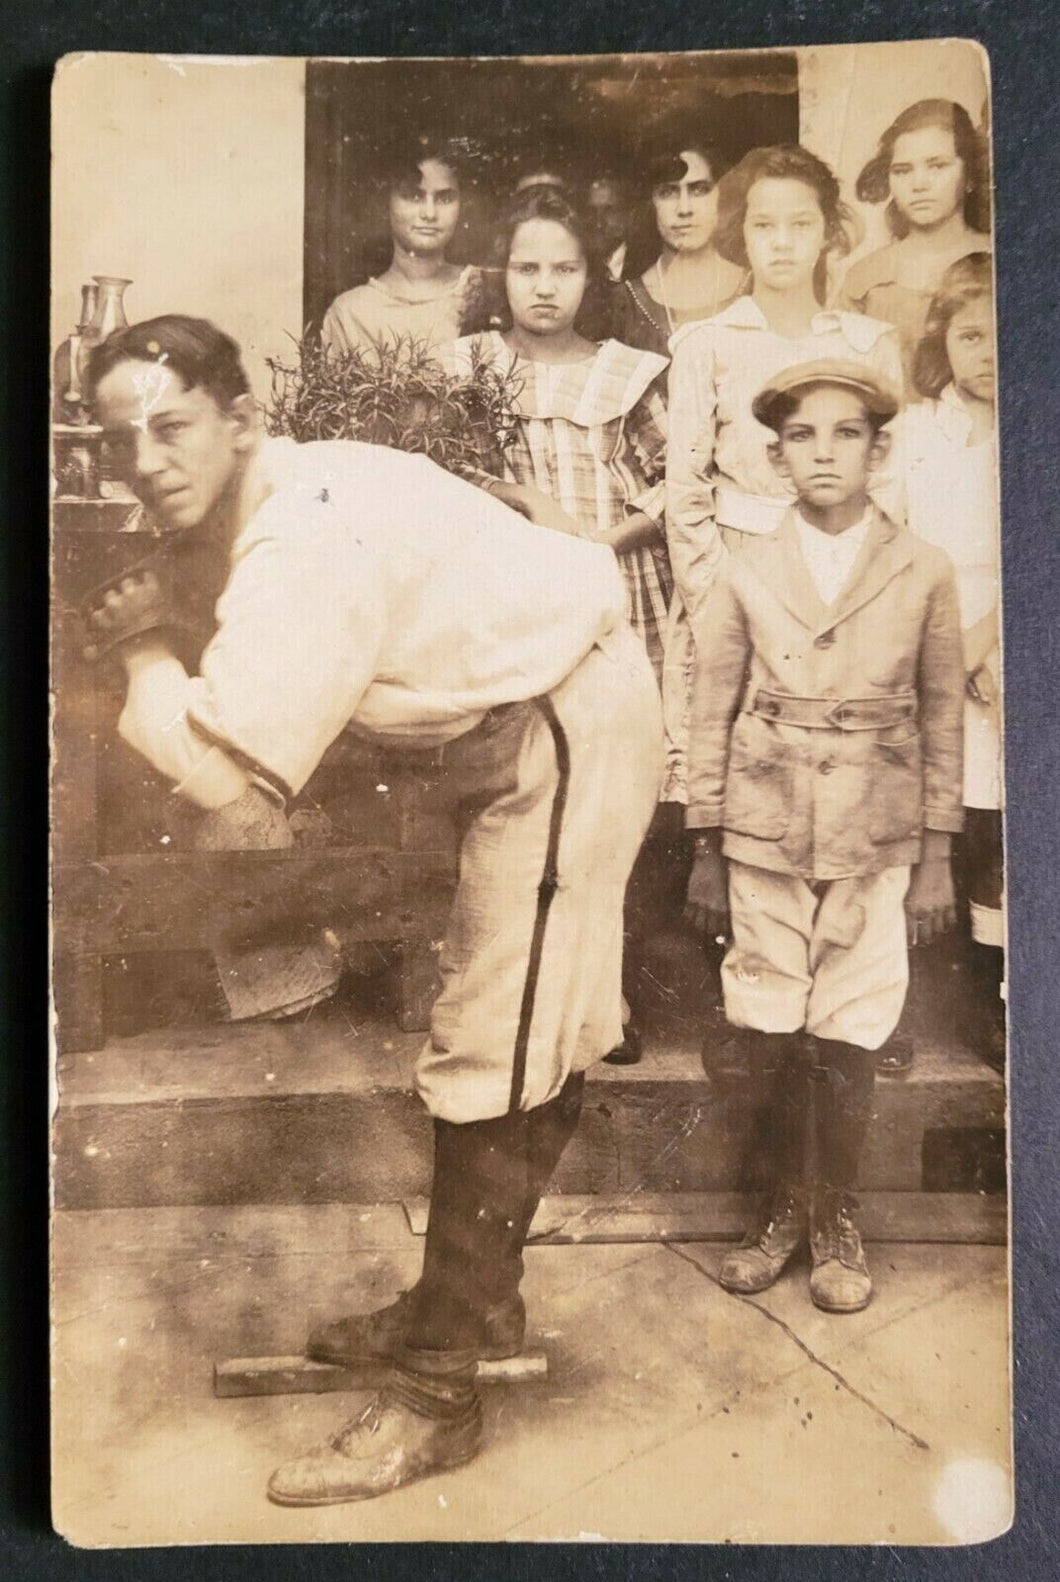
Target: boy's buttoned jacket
825,738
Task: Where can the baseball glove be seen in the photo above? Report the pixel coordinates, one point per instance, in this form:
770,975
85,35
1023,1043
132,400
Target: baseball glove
172,592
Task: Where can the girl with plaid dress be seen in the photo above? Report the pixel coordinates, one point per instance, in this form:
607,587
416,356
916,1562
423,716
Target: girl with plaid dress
589,421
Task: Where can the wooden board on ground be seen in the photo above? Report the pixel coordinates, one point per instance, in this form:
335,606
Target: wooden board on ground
237,1376
723,1216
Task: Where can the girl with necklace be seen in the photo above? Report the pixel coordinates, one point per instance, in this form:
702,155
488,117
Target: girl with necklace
688,279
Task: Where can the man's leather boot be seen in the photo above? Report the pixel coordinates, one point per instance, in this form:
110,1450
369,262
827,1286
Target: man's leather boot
363,1338
427,1417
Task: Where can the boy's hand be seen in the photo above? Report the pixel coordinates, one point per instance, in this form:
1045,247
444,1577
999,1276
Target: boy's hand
707,906
930,909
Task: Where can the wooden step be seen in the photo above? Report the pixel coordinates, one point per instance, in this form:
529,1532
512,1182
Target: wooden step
323,1111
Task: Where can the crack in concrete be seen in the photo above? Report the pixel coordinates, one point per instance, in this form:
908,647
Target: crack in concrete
759,1307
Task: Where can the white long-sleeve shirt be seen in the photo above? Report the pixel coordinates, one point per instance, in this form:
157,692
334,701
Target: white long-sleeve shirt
370,589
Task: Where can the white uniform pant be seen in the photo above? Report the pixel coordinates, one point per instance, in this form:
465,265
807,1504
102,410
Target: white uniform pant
553,805
829,956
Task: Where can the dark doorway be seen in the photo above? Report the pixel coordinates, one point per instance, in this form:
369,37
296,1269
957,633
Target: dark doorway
588,115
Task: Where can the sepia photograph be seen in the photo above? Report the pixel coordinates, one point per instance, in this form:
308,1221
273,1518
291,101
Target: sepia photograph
528,885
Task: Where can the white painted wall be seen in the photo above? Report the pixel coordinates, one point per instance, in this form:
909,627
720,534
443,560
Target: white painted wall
186,175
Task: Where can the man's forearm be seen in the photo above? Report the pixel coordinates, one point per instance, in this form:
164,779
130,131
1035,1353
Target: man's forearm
155,724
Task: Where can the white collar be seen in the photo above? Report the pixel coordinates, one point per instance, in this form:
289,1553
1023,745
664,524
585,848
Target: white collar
852,536
858,329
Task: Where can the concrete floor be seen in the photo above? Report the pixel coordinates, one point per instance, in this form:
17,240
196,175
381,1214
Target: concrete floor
672,1411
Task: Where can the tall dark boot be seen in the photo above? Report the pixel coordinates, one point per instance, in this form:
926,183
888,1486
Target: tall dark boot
781,1079
428,1417
550,1128
360,1338
843,1084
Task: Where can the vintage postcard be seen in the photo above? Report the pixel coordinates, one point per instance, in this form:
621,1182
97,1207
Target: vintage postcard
528,885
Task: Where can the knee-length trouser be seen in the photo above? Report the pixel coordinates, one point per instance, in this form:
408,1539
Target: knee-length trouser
553,799
830,956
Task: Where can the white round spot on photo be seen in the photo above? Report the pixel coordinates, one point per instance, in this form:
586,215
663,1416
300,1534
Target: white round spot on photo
973,1500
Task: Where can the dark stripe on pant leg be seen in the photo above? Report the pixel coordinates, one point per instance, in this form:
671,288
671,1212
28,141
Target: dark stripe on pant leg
545,891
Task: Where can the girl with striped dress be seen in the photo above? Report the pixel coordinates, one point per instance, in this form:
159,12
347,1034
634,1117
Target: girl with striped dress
589,418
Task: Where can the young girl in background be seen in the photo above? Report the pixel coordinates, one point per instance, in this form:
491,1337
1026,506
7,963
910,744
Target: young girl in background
686,278
590,433
780,218
421,298
931,169
949,455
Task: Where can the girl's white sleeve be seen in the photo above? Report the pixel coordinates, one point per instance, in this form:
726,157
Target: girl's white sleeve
696,550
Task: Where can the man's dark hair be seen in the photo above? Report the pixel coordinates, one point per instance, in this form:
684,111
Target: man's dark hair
200,354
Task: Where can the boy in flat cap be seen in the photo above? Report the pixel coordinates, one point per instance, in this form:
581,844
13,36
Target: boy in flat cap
824,788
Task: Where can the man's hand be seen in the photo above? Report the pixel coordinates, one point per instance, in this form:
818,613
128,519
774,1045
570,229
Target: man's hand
707,906
252,822
930,909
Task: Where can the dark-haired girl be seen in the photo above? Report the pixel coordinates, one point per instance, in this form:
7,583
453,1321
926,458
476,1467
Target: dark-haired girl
949,452
421,298
688,278
931,170
780,218
589,417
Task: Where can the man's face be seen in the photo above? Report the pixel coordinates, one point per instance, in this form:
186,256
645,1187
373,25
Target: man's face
174,447
607,210
828,447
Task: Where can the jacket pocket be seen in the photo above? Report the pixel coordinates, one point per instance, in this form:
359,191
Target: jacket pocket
758,791
896,798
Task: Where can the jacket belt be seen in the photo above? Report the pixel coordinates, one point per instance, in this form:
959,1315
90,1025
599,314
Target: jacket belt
843,714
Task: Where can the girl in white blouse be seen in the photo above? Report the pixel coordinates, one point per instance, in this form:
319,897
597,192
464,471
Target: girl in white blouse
780,217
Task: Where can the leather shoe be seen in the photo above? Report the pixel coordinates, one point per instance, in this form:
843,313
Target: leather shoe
759,1260
840,1281
387,1446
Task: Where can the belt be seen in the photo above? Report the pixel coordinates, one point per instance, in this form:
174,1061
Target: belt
844,714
